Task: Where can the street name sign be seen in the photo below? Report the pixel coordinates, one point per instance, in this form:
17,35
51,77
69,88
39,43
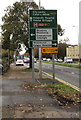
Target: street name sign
42,28
49,50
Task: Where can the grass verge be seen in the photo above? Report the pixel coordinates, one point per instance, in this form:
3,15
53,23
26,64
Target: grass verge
69,65
64,64
64,94
64,91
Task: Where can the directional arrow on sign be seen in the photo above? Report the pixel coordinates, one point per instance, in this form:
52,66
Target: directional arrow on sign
55,44
32,34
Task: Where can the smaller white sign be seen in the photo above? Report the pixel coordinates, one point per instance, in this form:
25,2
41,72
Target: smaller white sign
42,43
43,34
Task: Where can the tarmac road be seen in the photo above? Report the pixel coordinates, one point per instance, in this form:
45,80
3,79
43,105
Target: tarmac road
68,74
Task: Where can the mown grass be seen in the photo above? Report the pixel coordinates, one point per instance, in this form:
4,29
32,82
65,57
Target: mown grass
69,65
64,64
58,89
64,90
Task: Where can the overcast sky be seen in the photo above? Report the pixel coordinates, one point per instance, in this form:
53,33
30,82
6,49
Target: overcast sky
67,14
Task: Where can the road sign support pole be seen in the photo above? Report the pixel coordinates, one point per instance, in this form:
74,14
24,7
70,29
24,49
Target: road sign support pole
40,54
53,64
40,64
33,76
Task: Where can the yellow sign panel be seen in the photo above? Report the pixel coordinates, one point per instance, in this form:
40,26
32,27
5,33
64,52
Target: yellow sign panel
49,50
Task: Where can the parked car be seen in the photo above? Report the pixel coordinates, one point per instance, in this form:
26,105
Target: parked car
35,60
55,60
48,59
68,60
26,60
19,62
44,59
60,60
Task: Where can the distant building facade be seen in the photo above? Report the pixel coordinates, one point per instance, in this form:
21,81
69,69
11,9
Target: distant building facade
74,52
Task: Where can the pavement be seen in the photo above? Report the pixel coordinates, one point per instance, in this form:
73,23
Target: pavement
30,103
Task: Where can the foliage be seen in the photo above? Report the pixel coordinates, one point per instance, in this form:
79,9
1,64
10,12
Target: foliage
36,52
4,55
62,50
16,24
60,30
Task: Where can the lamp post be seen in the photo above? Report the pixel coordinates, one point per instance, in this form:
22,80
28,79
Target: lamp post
78,43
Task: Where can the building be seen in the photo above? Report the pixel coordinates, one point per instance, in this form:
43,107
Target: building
74,52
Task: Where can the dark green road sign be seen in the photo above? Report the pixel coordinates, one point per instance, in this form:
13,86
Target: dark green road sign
43,28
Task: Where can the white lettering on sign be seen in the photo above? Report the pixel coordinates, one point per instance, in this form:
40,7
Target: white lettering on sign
42,44
43,34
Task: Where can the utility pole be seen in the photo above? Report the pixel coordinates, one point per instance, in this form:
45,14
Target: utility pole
39,4
78,43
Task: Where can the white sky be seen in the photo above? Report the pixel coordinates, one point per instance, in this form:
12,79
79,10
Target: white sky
67,15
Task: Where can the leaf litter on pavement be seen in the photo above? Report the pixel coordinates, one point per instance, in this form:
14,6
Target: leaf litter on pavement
64,94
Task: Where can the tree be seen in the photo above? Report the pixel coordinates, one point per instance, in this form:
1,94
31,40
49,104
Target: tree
16,23
36,52
62,48
60,30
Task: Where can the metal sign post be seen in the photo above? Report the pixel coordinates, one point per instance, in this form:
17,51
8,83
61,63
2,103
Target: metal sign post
33,76
40,55
53,65
40,64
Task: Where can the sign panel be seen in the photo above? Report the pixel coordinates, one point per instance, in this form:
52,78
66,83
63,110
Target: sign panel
42,43
49,50
43,27
43,34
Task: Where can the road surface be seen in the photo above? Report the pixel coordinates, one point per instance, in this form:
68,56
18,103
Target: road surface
68,74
